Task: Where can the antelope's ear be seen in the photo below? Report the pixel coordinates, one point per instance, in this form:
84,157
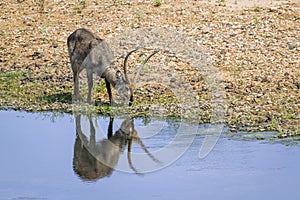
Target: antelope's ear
132,87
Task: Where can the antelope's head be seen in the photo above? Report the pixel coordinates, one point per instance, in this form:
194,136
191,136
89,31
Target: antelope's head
124,87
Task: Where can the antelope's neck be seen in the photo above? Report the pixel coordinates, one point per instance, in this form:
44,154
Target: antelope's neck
110,75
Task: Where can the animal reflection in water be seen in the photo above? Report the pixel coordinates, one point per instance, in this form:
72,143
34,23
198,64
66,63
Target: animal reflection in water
93,160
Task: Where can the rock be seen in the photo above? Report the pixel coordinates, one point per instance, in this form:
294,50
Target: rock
265,79
172,80
195,80
37,55
273,9
54,45
253,46
292,46
205,30
233,130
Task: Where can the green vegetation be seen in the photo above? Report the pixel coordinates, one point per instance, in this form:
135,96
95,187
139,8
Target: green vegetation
255,21
40,4
140,17
82,3
158,3
222,3
22,89
257,9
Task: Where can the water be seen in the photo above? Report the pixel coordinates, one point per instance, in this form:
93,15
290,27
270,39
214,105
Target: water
37,162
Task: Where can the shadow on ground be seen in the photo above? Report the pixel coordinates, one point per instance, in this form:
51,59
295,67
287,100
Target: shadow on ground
65,97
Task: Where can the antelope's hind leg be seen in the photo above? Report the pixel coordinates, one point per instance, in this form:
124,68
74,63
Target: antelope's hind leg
76,94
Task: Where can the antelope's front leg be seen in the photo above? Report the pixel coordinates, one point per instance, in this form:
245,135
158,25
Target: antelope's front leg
109,91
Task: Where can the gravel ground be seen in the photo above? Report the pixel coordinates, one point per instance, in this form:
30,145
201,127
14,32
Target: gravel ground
252,50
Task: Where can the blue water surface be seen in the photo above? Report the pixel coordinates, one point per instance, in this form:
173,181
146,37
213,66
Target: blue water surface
37,152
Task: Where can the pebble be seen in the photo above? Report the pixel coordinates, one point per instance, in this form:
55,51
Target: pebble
172,80
264,79
292,46
252,46
195,80
273,9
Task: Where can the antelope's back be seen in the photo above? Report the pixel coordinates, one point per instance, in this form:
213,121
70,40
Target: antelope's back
80,43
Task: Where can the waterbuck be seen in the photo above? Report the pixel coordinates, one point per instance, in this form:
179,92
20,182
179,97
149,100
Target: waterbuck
88,51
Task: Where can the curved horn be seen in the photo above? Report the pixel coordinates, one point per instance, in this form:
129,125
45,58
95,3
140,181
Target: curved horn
152,54
143,63
125,63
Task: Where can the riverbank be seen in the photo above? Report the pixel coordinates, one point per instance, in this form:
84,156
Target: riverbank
256,50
